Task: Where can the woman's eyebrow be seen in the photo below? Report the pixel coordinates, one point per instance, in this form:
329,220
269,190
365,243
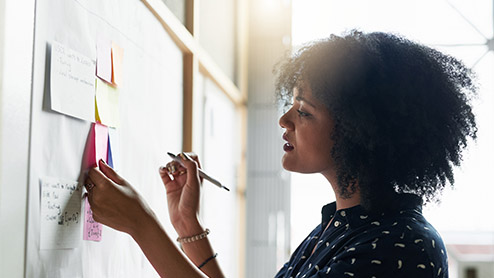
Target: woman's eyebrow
300,98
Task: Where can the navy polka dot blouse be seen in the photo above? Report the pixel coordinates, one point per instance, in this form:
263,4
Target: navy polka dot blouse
356,244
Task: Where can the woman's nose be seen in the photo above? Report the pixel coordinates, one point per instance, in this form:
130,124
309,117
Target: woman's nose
285,121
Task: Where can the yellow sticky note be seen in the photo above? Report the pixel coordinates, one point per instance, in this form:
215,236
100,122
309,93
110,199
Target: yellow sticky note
117,61
107,107
98,120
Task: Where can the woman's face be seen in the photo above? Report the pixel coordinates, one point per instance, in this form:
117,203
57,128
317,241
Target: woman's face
307,132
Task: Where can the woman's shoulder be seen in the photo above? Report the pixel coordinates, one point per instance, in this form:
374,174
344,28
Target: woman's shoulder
408,226
402,239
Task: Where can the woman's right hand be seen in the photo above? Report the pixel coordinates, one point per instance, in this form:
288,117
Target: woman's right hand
183,191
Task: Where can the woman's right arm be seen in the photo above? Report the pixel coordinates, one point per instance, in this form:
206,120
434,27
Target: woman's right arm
183,188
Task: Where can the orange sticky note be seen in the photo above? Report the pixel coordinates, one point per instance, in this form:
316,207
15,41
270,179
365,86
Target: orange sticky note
117,62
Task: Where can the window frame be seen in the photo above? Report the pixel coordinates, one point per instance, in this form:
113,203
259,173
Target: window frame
197,61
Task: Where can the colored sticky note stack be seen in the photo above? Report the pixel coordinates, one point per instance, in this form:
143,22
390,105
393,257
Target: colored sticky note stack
75,91
103,139
102,144
92,99
109,70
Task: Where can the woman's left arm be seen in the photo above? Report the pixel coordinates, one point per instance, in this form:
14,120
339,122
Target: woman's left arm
115,203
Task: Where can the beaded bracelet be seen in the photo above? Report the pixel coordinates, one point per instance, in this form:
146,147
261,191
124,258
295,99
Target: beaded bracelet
193,238
207,260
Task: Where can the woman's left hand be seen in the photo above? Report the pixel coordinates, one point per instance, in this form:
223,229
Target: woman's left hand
114,201
183,194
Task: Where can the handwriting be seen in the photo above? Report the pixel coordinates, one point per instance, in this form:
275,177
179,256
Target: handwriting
60,213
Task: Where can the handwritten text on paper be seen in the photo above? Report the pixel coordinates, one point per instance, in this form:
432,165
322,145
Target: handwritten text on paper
60,214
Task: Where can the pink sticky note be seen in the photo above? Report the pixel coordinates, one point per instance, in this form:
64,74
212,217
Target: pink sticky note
92,229
104,60
97,147
117,61
101,141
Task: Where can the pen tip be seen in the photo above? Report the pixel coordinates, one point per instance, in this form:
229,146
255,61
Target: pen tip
226,188
170,154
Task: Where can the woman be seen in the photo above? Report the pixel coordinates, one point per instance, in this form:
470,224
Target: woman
383,119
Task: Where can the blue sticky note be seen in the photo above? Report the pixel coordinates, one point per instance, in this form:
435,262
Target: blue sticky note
109,159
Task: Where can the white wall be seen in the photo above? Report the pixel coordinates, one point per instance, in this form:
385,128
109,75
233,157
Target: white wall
151,91
16,48
2,27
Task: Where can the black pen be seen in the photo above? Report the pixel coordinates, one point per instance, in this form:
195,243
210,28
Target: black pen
202,174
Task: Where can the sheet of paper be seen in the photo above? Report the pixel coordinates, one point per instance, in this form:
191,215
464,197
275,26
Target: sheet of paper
72,85
60,214
113,149
117,61
104,61
92,230
107,99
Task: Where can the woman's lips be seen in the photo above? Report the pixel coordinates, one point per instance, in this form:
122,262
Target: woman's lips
288,147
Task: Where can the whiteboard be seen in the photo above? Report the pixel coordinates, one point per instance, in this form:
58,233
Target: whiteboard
150,125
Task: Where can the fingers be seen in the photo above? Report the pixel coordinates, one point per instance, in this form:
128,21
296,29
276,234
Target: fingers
89,196
194,157
165,177
110,173
89,185
171,172
188,162
190,165
95,179
174,168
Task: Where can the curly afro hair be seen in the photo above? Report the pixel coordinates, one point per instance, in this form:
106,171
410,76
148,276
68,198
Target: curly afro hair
402,112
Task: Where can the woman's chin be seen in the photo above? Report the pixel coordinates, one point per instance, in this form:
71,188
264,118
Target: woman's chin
288,164
285,163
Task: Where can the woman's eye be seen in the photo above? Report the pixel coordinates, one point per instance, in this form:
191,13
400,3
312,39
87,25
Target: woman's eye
302,113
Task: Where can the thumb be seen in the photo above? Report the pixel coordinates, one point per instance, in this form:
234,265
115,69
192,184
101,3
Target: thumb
110,173
191,166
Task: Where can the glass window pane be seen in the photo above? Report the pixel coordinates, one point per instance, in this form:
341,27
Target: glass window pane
217,33
220,159
177,7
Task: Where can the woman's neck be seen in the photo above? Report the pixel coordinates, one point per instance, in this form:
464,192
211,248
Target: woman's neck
343,202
